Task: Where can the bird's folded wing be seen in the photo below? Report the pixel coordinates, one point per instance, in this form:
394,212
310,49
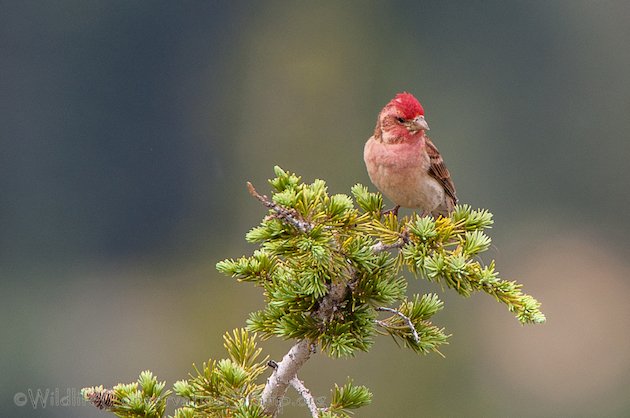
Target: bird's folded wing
438,170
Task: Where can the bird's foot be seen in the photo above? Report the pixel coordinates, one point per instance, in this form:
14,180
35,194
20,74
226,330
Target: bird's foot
393,211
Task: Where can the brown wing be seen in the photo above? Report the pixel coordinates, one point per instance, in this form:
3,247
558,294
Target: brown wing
438,170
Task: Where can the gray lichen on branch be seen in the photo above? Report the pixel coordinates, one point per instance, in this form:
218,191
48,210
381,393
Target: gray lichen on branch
284,372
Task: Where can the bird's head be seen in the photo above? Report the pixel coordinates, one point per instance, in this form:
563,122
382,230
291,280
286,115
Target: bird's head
402,119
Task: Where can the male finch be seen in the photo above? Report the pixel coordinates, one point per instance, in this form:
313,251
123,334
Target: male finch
404,164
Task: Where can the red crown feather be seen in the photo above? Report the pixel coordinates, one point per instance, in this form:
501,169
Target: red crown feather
409,105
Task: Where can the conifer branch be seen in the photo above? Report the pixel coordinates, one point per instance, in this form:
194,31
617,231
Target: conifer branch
379,247
146,397
405,318
292,217
289,215
328,264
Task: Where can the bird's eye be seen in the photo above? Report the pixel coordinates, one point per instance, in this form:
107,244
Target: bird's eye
400,120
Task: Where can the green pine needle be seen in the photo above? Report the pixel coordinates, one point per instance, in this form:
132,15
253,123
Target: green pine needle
350,396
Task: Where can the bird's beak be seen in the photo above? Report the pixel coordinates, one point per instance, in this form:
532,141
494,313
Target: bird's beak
420,123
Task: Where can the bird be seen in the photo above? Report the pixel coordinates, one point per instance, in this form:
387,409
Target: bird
404,164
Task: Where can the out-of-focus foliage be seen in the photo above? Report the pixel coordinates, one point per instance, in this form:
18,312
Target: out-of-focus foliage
128,131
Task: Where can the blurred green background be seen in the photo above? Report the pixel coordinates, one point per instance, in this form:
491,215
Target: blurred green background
129,129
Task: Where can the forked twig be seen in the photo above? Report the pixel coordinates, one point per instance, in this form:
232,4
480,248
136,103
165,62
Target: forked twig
405,318
306,394
289,215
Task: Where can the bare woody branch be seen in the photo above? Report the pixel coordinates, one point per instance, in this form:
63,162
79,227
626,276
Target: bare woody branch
298,385
277,384
289,215
405,318
379,247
